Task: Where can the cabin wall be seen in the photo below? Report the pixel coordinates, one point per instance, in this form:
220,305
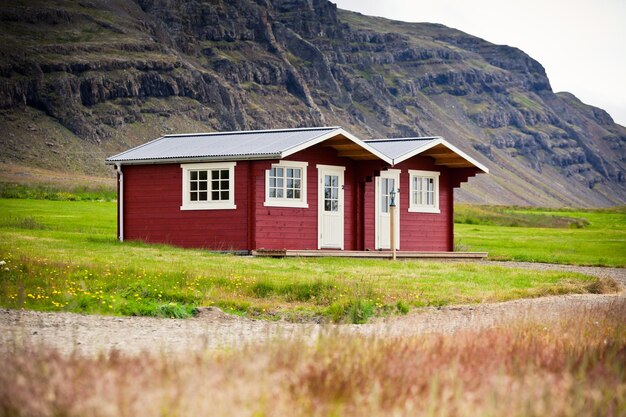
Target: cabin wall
369,216
418,231
296,228
368,171
426,231
153,196
152,200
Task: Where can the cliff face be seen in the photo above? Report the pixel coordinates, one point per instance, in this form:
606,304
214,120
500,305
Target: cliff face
82,80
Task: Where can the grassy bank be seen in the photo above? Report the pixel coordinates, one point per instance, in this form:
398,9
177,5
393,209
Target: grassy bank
58,193
63,256
580,237
573,368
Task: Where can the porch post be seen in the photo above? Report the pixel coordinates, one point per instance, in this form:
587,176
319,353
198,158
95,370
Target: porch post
392,223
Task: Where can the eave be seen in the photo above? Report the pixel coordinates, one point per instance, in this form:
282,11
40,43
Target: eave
445,154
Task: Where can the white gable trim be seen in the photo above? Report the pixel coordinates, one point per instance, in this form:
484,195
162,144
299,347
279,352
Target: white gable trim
330,135
442,141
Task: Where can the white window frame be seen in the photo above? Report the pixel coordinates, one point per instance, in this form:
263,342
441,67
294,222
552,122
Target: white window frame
208,205
284,201
424,208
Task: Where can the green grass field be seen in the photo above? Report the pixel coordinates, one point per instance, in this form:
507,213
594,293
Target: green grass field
63,256
580,237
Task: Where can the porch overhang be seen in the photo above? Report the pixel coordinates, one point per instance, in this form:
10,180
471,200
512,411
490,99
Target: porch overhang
445,154
346,144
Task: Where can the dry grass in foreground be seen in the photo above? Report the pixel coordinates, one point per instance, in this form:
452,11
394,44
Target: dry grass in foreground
574,368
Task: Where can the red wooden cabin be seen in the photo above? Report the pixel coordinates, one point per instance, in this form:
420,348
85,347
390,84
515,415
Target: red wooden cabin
312,188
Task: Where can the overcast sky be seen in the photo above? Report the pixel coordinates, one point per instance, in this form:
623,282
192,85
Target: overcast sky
580,43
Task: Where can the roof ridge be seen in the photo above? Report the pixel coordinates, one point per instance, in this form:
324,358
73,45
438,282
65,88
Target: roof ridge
245,132
403,139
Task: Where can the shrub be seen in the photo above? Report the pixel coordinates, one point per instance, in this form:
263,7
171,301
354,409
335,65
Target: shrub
175,311
262,289
402,307
355,311
603,286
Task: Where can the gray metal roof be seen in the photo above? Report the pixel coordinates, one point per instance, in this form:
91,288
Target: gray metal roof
272,144
254,144
396,148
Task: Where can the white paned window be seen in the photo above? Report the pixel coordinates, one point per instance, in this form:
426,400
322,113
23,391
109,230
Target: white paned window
285,185
208,186
424,191
386,185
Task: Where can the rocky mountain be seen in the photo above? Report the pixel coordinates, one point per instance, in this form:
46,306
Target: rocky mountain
81,80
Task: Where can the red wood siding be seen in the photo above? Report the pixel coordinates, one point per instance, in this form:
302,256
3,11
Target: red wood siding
418,231
152,200
425,231
283,227
369,216
296,228
368,170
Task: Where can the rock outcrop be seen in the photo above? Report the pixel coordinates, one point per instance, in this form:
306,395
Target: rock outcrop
95,77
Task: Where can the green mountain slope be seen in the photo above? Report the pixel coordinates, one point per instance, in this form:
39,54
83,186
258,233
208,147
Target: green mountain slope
83,80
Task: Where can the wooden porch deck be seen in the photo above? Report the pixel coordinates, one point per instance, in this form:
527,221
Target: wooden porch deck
369,254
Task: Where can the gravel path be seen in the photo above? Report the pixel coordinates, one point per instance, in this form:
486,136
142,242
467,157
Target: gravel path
212,329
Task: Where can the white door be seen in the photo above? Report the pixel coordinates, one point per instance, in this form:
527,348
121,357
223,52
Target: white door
330,206
387,181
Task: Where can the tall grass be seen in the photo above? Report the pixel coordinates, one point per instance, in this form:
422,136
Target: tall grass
58,192
576,367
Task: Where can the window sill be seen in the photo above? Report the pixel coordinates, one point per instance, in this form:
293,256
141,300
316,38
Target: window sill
209,207
424,210
291,204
